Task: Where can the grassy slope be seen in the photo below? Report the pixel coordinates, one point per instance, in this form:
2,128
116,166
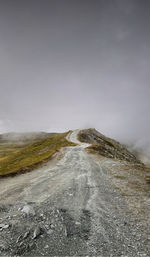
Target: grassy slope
19,158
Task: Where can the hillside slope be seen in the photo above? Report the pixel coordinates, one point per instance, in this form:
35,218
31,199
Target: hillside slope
22,152
106,146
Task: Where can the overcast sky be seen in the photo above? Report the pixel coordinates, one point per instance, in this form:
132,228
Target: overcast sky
67,64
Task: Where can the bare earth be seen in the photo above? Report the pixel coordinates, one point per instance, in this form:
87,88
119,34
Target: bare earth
76,205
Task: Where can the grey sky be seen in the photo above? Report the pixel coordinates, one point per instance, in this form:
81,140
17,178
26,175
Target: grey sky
68,64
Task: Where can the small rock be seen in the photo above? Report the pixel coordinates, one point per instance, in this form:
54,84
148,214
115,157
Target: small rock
21,244
37,232
26,234
50,231
77,223
18,239
28,210
6,226
65,230
3,226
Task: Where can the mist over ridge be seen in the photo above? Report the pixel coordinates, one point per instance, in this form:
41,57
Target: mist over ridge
76,64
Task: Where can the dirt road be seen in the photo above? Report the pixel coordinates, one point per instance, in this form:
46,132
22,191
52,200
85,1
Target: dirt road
69,207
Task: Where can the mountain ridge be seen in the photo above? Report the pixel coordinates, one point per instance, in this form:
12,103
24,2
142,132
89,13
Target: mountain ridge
106,146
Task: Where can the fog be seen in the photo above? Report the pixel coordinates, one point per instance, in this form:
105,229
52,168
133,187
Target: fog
76,64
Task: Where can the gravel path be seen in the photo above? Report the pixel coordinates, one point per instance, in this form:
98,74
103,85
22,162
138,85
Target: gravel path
70,207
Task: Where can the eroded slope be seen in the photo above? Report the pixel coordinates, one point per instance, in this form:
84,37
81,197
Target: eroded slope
106,146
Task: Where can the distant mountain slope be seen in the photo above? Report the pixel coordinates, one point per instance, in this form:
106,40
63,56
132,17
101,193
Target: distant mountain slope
14,137
106,146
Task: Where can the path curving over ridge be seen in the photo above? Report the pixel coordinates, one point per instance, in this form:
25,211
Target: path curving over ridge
69,207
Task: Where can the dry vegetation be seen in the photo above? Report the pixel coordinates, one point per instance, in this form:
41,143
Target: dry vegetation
133,181
105,146
16,158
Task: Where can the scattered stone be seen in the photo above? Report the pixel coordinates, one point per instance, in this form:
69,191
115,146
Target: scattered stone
77,223
37,232
42,217
28,210
105,146
4,226
26,234
65,230
50,231
21,244
46,246
18,239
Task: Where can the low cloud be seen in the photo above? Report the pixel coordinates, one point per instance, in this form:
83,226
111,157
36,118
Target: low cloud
76,64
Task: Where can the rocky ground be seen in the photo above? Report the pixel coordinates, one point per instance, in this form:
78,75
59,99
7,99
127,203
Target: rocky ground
76,205
105,146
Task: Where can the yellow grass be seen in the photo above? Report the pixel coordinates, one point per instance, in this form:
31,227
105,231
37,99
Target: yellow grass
15,159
